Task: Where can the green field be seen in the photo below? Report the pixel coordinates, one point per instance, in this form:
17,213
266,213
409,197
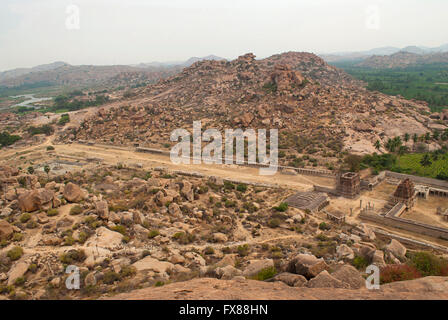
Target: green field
426,82
410,163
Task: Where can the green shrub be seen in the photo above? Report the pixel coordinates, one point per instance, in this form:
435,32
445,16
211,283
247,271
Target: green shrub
243,250
15,253
360,263
110,277
120,229
32,268
274,223
282,207
52,212
323,226
17,237
266,273
19,281
184,237
153,234
24,218
73,256
428,264
76,210
241,187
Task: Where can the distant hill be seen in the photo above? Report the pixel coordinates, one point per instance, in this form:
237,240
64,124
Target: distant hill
187,63
404,59
24,71
61,73
383,51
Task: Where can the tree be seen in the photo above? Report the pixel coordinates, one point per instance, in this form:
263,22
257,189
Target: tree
407,136
354,162
426,160
402,150
378,145
436,135
47,169
30,170
415,138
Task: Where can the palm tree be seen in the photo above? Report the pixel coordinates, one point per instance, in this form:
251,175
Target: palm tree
426,160
378,145
415,138
47,170
407,136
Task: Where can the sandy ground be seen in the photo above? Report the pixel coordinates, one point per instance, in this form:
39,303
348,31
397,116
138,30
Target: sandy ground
115,155
424,210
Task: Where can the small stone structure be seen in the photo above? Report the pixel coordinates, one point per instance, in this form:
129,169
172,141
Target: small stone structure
349,185
443,213
312,201
336,216
405,193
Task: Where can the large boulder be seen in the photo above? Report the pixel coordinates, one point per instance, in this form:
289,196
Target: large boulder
187,190
326,280
102,209
227,272
219,237
397,249
6,230
307,265
105,238
73,193
18,270
378,258
39,199
349,275
291,279
345,252
255,266
150,264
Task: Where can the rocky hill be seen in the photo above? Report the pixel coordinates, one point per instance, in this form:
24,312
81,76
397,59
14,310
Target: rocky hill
403,59
213,289
78,76
318,108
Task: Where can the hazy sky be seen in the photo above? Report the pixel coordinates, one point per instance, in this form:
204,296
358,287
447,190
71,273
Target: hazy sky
35,32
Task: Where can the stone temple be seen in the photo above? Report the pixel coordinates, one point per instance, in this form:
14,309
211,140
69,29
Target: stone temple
349,185
312,201
405,193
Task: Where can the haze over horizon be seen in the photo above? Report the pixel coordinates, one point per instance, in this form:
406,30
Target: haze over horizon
136,31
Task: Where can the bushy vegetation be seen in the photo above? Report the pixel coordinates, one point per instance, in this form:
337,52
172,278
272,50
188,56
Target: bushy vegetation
282,207
44,129
69,103
265,274
15,253
426,83
64,119
7,139
398,272
428,264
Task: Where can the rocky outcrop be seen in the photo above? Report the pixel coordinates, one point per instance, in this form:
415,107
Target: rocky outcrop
207,288
6,230
73,192
307,265
39,199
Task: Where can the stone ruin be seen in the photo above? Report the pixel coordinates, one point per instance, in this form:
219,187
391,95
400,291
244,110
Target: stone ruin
405,193
312,201
349,185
